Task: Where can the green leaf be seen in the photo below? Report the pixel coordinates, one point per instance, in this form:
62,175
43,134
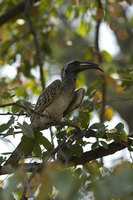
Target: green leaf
107,56
45,142
4,127
81,81
25,103
97,126
86,104
27,130
16,109
27,145
119,127
88,54
61,134
93,88
2,159
6,95
84,119
82,29
94,145
9,132
104,144
37,149
11,121
101,133
76,12
69,11
78,150
124,135
59,2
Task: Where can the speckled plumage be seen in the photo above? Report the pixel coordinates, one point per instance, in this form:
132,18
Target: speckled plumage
45,99
48,95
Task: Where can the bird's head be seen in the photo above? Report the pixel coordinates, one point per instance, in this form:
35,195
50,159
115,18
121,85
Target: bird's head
72,68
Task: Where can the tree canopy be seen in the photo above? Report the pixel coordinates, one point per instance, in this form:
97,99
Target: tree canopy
66,161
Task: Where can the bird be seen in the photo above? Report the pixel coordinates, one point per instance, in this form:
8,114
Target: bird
58,100
60,97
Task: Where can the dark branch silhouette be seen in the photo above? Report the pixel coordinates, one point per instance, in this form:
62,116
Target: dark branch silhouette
14,12
37,48
86,156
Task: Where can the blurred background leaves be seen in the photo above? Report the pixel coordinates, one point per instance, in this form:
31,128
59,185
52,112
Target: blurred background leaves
67,30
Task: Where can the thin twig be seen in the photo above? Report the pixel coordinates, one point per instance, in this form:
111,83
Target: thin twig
38,53
17,114
16,104
14,133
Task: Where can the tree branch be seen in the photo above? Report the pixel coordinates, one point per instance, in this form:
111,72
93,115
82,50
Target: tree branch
17,114
38,53
98,153
99,20
17,10
86,157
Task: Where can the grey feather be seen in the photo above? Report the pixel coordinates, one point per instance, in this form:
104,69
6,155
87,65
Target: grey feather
76,101
45,99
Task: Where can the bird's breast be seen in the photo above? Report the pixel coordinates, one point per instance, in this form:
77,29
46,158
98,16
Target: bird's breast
57,107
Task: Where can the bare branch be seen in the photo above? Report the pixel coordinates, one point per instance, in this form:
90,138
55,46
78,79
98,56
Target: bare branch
99,57
38,53
17,114
16,104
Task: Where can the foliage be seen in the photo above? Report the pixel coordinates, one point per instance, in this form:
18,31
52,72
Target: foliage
72,166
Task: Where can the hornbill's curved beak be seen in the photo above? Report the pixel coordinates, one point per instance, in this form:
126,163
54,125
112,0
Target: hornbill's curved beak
88,65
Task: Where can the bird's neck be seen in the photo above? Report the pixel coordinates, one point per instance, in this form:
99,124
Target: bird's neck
69,83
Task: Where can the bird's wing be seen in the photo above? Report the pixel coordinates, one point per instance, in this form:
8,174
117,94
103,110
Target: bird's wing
48,95
76,101
45,99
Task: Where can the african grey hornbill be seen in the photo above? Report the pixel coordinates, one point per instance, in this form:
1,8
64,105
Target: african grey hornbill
58,99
